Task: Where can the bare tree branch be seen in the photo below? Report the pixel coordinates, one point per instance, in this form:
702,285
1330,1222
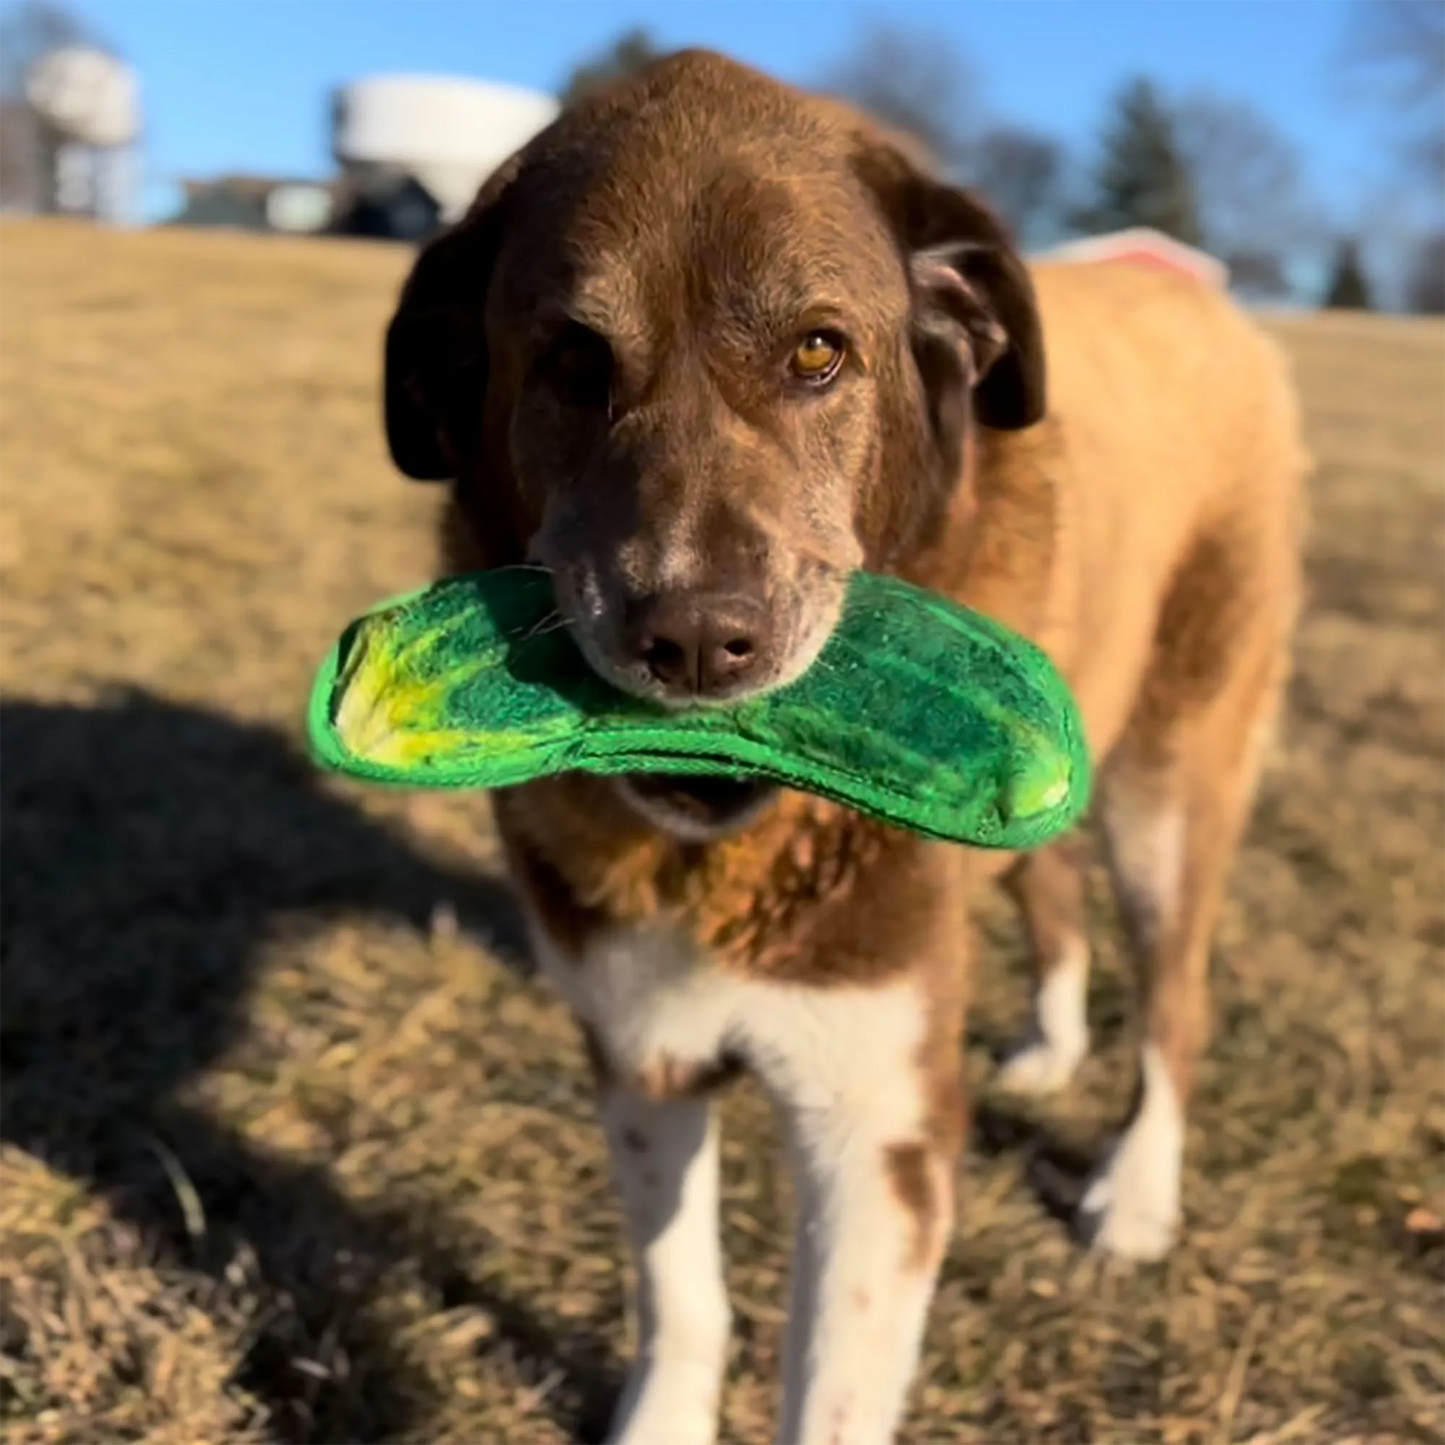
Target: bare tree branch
1400,46
1425,285
915,81
1395,52
1253,199
30,30
1021,173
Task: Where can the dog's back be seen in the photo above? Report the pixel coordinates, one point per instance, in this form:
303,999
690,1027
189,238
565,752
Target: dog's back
1173,461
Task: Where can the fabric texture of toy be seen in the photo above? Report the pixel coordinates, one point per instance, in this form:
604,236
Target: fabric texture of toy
918,711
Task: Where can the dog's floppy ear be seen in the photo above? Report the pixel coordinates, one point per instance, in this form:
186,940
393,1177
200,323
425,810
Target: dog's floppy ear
436,349
977,321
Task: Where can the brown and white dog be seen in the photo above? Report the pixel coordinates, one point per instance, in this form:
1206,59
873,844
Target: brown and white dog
704,346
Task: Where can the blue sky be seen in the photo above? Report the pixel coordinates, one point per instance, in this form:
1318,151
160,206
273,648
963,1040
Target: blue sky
241,84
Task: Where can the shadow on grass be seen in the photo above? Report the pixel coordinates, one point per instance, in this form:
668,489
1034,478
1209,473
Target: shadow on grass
149,849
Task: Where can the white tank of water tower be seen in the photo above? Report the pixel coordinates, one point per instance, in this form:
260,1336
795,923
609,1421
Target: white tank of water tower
447,132
89,105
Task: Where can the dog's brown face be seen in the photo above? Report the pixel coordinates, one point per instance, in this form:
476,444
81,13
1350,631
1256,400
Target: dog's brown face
703,348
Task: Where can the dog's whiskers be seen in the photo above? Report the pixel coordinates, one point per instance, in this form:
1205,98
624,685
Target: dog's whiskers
548,623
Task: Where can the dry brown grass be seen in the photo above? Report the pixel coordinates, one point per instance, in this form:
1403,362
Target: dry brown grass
293,1151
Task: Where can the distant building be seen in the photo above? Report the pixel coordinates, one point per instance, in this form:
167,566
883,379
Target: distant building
411,150
1144,247
389,205
259,203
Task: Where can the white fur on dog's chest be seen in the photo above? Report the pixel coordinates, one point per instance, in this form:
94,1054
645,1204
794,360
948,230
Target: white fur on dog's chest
652,999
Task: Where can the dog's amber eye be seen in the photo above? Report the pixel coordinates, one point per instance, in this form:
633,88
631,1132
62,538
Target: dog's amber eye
817,357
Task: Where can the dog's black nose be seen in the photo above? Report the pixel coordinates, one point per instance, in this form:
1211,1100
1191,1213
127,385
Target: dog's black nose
699,643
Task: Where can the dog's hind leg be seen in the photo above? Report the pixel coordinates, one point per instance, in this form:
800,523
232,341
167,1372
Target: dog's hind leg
1048,887
1175,796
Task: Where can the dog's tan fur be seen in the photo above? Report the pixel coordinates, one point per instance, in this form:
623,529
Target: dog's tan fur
1145,531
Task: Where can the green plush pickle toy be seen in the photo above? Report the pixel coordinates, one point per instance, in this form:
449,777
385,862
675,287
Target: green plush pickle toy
918,711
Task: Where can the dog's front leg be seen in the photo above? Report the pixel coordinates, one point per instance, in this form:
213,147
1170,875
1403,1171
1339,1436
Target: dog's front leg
665,1163
869,1087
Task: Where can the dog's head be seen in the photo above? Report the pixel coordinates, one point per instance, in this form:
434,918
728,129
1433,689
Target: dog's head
702,348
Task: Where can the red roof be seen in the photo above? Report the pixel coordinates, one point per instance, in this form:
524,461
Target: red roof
1142,246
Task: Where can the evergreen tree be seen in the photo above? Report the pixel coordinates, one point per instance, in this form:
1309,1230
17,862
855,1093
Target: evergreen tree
1349,288
1142,178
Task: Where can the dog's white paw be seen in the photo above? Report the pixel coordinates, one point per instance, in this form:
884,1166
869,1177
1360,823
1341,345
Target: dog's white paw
1037,1065
670,1402
1128,1215
1131,1206
1057,1037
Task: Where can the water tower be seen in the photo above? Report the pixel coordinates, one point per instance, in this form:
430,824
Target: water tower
414,149
87,111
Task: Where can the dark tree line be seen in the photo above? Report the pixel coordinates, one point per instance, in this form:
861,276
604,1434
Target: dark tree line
1206,169
1395,59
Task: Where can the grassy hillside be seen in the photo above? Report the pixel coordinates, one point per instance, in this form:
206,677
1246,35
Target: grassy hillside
293,1150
